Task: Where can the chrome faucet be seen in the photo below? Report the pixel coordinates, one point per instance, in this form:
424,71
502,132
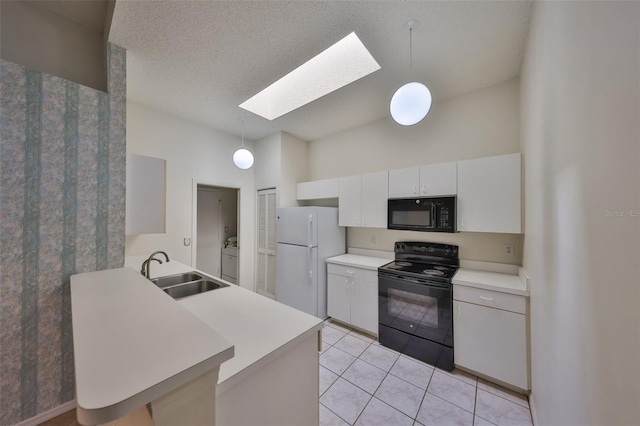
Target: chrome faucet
145,271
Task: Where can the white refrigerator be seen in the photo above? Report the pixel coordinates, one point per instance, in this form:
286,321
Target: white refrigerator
306,237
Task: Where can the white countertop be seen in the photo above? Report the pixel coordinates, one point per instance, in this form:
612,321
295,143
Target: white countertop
358,261
119,309
506,283
130,344
259,328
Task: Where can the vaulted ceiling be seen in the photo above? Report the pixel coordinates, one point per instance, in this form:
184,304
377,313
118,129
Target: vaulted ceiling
201,59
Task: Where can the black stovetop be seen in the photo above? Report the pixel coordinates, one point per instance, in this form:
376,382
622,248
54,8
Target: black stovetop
433,261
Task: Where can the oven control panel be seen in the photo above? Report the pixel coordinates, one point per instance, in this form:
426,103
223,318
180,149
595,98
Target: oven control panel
430,249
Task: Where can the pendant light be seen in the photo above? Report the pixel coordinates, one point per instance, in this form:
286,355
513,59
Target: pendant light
412,101
243,158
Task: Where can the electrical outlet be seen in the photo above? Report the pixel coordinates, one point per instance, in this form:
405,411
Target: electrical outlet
508,250
187,241
373,239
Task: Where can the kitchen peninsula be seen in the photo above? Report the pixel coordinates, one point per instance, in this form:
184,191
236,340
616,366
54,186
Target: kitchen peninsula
133,344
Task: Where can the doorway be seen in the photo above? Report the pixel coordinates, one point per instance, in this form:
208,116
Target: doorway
215,222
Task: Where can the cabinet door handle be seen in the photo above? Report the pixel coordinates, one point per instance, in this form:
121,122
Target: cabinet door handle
415,189
458,310
462,224
488,299
424,189
346,283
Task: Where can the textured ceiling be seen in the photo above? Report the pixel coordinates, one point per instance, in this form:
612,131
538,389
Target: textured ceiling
201,59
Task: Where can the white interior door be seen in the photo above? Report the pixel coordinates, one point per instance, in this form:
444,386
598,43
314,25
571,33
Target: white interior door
209,244
266,253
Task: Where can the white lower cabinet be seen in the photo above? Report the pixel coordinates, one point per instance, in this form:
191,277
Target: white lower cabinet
352,296
490,334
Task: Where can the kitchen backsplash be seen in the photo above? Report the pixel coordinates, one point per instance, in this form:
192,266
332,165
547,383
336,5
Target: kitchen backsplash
62,209
485,247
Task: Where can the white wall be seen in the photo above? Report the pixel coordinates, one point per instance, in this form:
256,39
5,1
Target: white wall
267,161
46,41
479,124
482,123
293,160
580,133
192,152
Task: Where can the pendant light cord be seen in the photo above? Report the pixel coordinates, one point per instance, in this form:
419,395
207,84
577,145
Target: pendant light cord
243,133
410,54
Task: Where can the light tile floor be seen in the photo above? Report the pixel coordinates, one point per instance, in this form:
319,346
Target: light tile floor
364,383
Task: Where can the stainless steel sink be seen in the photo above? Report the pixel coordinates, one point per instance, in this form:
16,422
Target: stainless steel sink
196,287
187,284
172,280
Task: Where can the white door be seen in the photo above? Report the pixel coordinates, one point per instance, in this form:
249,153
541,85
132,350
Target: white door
375,190
350,201
364,304
266,253
403,183
297,277
208,225
339,297
438,179
297,225
489,198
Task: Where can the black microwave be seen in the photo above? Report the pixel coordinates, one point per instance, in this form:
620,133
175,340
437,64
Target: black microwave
431,214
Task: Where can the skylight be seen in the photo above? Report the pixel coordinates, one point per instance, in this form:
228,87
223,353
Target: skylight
343,63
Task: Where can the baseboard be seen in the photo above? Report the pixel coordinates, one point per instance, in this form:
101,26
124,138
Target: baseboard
532,406
48,415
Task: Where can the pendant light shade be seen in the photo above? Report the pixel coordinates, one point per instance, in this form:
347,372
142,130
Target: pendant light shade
410,104
412,101
243,158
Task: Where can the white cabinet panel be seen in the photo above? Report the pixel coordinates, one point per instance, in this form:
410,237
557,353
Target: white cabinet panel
306,190
339,298
364,304
352,296
403,183
489,194
350,201
491,342
438,179
375,188
145,213
230,265
424,181
318,189
363,200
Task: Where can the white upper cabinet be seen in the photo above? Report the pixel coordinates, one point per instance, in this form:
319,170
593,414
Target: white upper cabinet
375,190
403,183
363,200
439,179
145,213
318,189
424,181
350,201
489,194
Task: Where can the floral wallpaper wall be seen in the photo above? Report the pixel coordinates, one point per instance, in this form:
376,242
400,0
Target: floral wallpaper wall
62,210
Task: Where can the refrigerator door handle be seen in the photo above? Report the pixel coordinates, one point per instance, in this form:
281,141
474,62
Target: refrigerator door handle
309,231
309,249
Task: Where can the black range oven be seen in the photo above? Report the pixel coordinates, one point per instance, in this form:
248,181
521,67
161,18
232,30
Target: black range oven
416,302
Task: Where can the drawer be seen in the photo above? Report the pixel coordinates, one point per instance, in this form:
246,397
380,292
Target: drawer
230,265
233,251
357,274
491,299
